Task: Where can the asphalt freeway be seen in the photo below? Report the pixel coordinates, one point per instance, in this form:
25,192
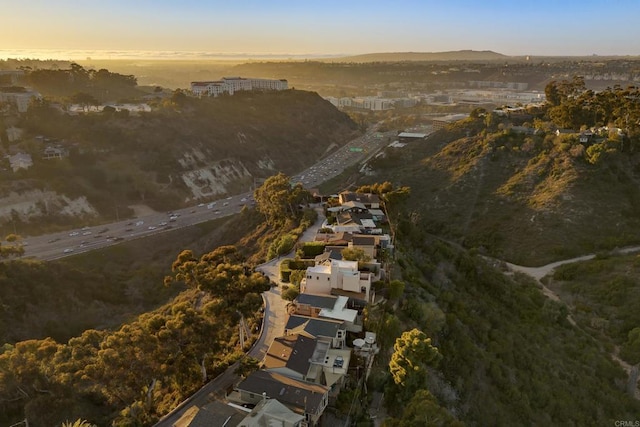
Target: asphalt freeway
58,245
68,243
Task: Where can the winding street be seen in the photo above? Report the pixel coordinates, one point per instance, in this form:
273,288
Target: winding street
272,327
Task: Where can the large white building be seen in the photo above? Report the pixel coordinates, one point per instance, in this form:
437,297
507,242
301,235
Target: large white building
339,274
231,85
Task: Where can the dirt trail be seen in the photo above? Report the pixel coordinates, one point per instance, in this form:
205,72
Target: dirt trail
539,272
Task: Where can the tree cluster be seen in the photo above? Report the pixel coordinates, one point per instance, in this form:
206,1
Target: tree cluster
99,84
135,374
279,201
573,106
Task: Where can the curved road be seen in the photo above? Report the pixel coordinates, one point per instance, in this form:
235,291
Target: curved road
272,327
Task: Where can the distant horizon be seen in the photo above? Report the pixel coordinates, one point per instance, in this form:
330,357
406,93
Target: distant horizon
332,28
157,55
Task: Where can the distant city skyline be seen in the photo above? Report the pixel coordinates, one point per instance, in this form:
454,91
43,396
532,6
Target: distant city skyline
287,28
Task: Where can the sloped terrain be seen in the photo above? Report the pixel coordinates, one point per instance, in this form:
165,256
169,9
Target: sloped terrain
186,149
527,200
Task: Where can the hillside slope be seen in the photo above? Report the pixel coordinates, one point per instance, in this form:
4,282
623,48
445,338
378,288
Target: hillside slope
529,200
184,150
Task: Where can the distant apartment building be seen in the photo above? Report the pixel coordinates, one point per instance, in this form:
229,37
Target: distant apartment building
372,103
442,122
499,85
18,97
230,85
11,77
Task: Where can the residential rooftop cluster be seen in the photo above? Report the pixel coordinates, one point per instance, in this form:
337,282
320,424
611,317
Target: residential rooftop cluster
305,369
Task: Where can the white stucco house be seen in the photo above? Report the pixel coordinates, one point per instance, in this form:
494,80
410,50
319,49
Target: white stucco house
337,275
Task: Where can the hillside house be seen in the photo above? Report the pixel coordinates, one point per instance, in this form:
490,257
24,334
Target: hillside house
270,412
329,331
304,398
290,355
14,134
337,275
586,137
365,243
369,200
329,307
308,359
54,152
20,161
213,414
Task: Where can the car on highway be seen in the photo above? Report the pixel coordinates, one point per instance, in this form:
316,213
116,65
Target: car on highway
67,251
151,227
74,233
139,223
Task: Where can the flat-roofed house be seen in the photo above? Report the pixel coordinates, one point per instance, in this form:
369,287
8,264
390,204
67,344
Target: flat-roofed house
338,275
329,307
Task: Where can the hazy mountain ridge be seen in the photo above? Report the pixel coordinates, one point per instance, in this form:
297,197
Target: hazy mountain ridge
458,55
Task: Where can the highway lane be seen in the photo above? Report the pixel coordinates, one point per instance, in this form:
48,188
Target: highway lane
71,242
352,153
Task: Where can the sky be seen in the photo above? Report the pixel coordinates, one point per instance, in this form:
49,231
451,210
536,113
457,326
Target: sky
108,28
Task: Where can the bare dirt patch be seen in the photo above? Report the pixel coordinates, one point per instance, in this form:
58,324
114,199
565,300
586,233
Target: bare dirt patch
142,210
